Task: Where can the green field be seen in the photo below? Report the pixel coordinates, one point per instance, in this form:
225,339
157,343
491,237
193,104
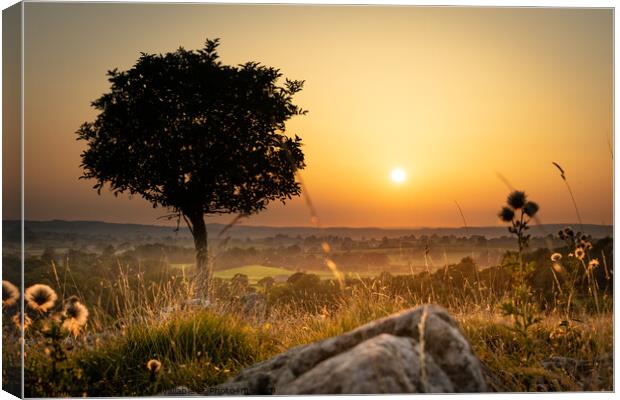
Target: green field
258,272
253,272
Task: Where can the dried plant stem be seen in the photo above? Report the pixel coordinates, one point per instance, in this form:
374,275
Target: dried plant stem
421,331
570,191
428,270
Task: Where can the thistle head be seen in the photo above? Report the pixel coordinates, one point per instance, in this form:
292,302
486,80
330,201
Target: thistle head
593,264
580,253
516,199
76,316
530,209
506,214
153,366
10,294
40,297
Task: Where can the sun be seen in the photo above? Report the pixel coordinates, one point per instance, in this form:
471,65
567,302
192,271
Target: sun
398,175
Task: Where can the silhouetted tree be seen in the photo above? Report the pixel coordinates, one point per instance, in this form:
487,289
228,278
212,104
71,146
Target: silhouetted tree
197,137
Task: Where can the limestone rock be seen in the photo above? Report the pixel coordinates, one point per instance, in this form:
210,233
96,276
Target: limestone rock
384,356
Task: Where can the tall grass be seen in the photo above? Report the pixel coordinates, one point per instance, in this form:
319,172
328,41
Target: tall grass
196,350
134,320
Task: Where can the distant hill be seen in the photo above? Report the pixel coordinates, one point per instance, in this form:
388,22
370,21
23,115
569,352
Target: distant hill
129,231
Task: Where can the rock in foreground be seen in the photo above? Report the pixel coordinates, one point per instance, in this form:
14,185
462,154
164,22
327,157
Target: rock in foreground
389,355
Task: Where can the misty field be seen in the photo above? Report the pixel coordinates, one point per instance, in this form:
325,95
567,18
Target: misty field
138,313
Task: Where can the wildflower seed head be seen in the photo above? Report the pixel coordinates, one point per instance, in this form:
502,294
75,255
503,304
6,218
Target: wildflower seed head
10,294
77,311
568,232
506,214
76,315
555,257
530,209
580,253
153,366
40,297
516,199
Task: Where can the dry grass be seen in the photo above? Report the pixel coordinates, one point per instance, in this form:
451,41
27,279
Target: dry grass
201,348
498,346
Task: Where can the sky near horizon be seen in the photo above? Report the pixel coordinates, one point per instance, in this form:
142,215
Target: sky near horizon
452,96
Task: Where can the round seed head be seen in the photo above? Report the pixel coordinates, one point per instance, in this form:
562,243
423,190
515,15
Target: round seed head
506,214
10,294
40,297
76,315
516,199
153,366
580,253
530,209
593,264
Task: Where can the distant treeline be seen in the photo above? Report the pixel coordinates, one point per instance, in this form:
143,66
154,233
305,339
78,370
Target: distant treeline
127,232
303,253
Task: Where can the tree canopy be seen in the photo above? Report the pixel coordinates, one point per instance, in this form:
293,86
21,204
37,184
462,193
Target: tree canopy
189,133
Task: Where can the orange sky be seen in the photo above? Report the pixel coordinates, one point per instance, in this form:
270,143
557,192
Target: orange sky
451,95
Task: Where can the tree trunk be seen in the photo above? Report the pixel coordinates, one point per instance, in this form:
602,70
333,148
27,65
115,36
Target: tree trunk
203,268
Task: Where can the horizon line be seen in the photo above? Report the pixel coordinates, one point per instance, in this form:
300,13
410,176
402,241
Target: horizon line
312,227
